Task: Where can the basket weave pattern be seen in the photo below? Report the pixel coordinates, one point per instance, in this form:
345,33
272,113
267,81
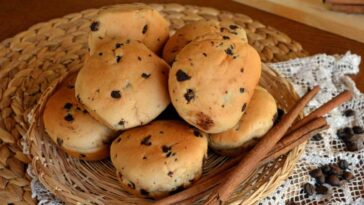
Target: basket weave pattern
33,59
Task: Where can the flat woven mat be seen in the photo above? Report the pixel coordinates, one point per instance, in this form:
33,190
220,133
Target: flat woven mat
31,60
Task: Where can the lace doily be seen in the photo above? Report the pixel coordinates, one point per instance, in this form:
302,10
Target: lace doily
331,74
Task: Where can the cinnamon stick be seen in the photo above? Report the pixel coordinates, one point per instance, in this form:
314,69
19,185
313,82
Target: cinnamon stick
189,195
324,109
298,133
265,145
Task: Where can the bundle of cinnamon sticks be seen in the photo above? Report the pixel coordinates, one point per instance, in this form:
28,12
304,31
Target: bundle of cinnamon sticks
282,138
347,6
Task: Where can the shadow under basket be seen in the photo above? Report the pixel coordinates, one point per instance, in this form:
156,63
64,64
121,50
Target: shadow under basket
73,180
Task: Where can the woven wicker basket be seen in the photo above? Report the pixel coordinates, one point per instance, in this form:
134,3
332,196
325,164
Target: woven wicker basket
33,59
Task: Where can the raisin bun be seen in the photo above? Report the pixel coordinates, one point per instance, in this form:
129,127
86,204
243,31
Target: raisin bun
160,158
123,84
196,29
257,120
70,126
212,81
138,22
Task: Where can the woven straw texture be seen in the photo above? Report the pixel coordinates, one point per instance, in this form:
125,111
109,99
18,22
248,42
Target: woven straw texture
33,59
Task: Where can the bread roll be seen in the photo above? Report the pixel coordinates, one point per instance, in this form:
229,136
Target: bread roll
123,84
256,121
212,80
137,22
71,127
196,29
160,158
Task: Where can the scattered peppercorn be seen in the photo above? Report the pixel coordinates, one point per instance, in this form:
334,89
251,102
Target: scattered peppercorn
309,189
349,113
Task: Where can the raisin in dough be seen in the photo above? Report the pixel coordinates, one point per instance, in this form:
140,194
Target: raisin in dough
123,84
257,120
160,158
70,126
196,29
137,22
212,80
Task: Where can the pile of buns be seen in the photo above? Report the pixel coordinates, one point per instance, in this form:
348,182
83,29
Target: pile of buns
114,106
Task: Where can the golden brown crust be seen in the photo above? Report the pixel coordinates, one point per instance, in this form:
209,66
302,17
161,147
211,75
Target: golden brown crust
257,120
137,22
158,158
123,84
212,80
71,127
197,29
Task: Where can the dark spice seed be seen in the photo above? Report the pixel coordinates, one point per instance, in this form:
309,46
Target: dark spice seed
348,176
100,54
144,192
309,189
326,169
352,146
145,29
115,94
170,174
82,155
146,141
169,154
118,59
333,180
243,108
139,58
242,90
189,95
59,141
69,117
122,122
95,26
343,164
316,173
85,111
317,137
335,169
229,51
146,75
349,113
348,131
233,27
131,185
166,148
321,189
182,76
242,70
341,134
118,45
197,133
204,54
118,140
67,106
226,37
320,179
358,130
144,157
279,115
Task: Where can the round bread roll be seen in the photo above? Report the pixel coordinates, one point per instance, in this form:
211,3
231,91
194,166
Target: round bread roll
212,80
160,158
257,120
137,22
123,84
196,29
71,127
